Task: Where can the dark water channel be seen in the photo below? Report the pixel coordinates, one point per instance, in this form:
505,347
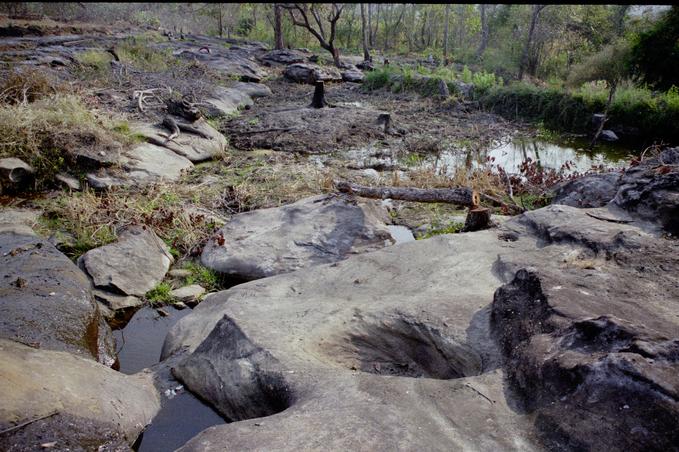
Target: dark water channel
182,415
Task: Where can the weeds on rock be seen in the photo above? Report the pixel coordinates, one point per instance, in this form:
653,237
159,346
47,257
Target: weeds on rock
160,295
51,131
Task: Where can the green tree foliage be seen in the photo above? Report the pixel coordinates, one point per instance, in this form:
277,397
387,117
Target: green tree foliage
655,54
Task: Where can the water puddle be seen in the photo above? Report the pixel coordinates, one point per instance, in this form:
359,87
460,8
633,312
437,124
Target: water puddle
139,344
182,416
570,156
401,234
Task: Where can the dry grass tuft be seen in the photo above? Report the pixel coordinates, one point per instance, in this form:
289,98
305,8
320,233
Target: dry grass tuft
48,132
27,85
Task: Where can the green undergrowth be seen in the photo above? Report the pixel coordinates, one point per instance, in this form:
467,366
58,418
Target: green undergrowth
160,295
203,276
451,227
654,115
426,81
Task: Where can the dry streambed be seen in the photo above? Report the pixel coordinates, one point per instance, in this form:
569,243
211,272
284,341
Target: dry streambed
478,341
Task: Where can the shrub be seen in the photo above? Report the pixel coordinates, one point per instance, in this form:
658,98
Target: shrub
26,85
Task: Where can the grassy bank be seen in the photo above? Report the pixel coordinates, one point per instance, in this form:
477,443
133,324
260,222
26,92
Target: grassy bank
644,114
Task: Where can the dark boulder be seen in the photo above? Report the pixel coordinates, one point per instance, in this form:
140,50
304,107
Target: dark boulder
594,190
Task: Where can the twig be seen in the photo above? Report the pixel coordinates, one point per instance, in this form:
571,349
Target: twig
478,392
612,220
498,202
24,424
275,129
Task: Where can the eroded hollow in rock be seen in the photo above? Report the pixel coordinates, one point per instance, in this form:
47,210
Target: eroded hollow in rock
398,345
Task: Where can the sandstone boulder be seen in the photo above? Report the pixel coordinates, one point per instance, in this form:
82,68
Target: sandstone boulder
312,231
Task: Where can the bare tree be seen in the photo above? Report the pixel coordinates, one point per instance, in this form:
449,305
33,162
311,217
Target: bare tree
364,34
277,26
484,32
300,13
445,34
529,38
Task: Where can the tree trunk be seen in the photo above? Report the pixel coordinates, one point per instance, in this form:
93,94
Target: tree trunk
370,25
377,24
445,35
459,196
278,27
529,39
484,34
221,26
364,34
319,95
611,94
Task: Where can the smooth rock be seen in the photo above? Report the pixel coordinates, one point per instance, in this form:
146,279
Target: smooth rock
254,90
594,190
284,56
45,300
608,135
650,190
188,293
398,346
312,231
116,302
133,265
15,174
11,215
311,73
68,181
388,345
353,75
179,273
96,408
193,147
148,163
226,101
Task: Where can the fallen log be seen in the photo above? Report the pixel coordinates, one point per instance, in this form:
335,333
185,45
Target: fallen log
460,196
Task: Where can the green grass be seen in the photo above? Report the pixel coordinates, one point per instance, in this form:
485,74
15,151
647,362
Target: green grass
452,227
136,52
94,63
203,276
160,295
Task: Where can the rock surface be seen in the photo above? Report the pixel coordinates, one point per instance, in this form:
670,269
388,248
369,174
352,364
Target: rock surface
45,300
15,174
650,190
133,265
226,101
312,231
352,75
284,56
402,347
144,164
311,73
188,293
95,406
595,190
387,345
191,146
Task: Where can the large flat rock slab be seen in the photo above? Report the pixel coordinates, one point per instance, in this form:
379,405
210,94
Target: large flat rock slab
133,265
142,165
194,147
557,330
77,403
387,350
46,301
315,230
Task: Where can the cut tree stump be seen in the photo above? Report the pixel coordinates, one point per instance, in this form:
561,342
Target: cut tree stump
319,95
478,218
460,196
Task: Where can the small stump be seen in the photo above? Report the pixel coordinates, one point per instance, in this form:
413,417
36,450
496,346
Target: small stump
319,95
478,218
